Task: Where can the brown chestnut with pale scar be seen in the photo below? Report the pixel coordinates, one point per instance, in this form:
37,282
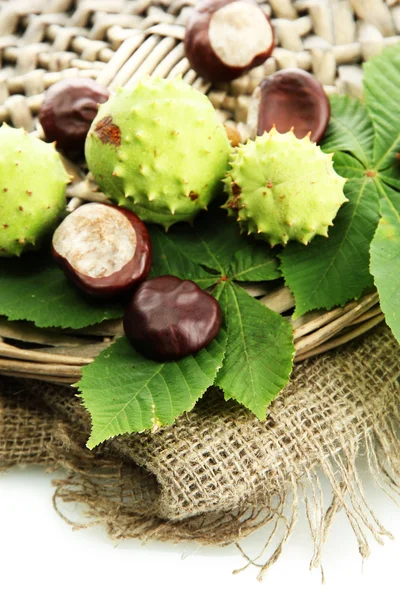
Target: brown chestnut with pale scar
226,38
104,250
169,318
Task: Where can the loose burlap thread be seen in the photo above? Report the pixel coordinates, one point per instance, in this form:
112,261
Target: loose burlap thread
218,473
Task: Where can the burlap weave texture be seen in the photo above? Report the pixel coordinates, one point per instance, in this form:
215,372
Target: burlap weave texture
218,473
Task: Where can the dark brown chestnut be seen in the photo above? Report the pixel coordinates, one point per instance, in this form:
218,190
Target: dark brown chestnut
104,250
293,98
169,318
67,111
226,38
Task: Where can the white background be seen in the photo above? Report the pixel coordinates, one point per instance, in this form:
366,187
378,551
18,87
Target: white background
41,557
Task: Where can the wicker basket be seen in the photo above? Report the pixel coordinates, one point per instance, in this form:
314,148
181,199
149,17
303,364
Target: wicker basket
119,41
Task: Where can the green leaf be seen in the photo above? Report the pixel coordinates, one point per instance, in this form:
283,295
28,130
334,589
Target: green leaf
126,392
391,176
212,242
385,264
259,352
167,259
254,263
382,97
331,271
350,129
33,288
386,191
217,244
347,166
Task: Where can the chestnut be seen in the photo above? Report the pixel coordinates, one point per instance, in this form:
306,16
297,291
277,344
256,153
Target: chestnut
226,38
292,98
169,318
104,250
67,111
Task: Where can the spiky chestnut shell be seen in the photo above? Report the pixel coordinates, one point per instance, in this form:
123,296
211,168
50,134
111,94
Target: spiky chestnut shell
159,150
283,188
32,190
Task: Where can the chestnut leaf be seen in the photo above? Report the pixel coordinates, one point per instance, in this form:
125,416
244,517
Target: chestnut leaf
169,260
216,243
391,175
259,352
126,392
385,258
254,263
33,288
331,271
212,241
348,166
382,96
350,129
366,140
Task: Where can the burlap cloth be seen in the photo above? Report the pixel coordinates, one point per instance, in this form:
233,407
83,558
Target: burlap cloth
218,473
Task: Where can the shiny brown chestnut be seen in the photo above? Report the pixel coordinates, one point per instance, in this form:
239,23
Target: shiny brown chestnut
104,250
226,38
67,111
169,318
293,98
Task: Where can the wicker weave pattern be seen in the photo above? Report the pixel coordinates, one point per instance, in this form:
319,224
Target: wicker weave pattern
42,41
119,41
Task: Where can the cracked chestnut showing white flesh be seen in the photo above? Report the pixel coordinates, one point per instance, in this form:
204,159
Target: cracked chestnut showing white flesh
104,250
226,38
292,98
169,318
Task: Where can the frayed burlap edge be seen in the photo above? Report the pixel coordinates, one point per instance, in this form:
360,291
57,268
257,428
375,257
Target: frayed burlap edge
125,497
380,442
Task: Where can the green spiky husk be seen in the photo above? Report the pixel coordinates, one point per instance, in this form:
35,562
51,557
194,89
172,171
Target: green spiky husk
171,156
283,188
32,191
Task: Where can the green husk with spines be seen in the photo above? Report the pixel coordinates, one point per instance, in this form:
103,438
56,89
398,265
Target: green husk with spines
32,191
158,150
283,188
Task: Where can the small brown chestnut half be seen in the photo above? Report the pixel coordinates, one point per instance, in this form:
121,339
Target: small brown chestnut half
104,250
169,318
293,98
226,38
68,109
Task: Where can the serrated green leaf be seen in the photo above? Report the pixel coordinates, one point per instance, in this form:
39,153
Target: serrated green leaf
126,392
331,271
212,242
386,191
385,263
259,352
167,259
347,166
255,263
350,129
217,244
391,176
33,288
382,97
